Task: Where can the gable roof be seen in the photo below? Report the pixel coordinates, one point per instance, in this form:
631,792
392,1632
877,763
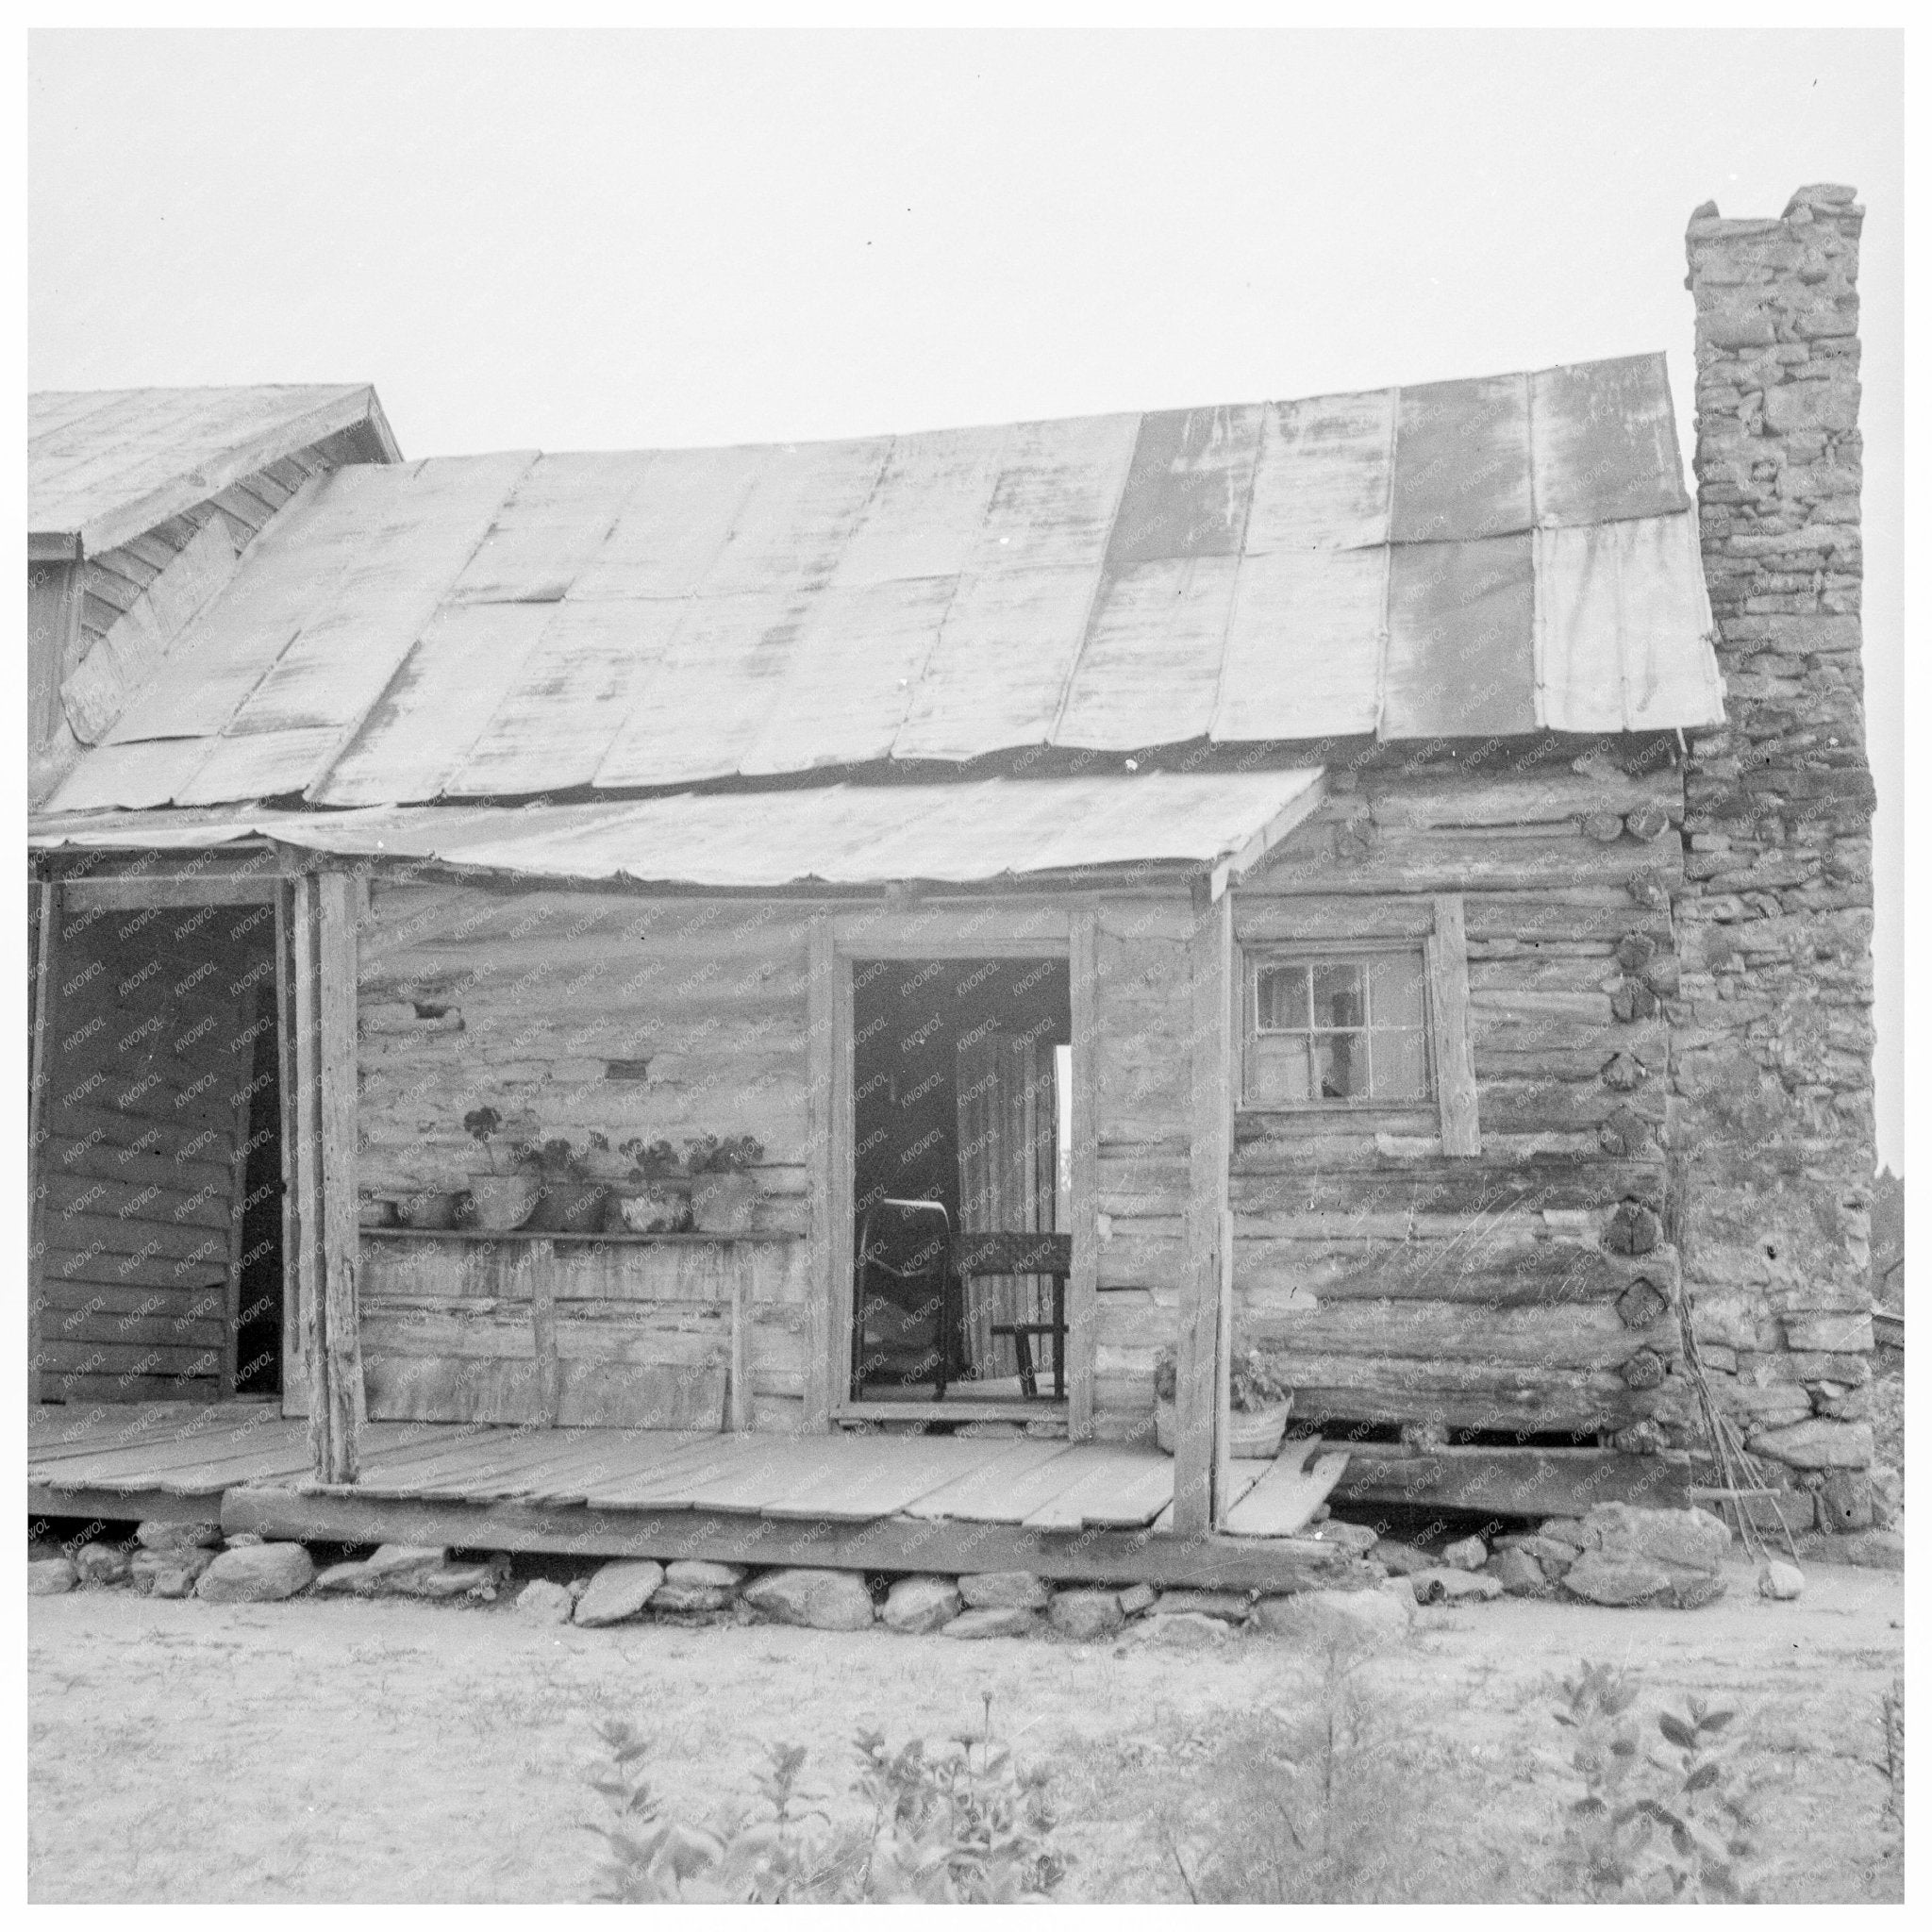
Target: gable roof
1462,559
106,465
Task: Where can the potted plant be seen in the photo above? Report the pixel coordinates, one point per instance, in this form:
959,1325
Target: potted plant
655,1197
724,1191
569,1199
1258,1401
503,1196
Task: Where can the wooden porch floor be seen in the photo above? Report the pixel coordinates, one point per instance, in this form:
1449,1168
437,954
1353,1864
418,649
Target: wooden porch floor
849,1501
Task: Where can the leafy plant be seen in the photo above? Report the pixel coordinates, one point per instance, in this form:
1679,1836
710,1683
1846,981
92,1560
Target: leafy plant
1252,1385
961,1825
735,1154
1667,1828
482,1124
656,1162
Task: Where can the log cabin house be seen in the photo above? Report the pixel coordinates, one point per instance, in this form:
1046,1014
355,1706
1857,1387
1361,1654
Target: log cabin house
1246,863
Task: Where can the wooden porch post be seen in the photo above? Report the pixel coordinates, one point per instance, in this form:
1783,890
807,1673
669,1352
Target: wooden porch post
1083,947
1200,1378
49,911
322,1023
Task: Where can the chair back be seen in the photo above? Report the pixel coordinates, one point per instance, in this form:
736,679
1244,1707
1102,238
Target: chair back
904,1263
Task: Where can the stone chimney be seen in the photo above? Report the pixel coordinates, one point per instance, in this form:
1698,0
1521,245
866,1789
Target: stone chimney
1771,1132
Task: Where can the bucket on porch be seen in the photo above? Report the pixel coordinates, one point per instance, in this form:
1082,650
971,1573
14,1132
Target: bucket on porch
1251,1432
647,1208
568,1205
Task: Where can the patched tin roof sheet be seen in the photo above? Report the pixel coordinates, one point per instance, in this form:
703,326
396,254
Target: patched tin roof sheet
1465,559
960,832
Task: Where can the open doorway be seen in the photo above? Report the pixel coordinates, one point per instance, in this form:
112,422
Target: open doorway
157,1173
961,1178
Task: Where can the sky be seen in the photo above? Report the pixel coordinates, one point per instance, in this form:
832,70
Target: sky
618,241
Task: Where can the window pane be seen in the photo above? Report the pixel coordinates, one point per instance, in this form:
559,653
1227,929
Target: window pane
1278,1070
1282,995
1401,1064
1337,995
1396,989
1341,1065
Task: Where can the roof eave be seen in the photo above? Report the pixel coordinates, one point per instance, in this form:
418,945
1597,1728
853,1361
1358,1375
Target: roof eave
356,410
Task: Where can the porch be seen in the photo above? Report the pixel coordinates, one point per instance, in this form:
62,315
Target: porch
892,1503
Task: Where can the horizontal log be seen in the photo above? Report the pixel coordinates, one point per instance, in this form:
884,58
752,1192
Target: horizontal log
133,1330
1409,859
1554,1335
1553,798
1268,1186
424,1335
119,1299
401,1387
1533,1482
82,1388
889,1544
1471,1395
1485,1265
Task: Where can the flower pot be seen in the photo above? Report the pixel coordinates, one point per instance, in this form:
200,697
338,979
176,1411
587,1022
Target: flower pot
1251,1432
429,1208
500,1202
647,1208
1258,1432
566,1205
724,1203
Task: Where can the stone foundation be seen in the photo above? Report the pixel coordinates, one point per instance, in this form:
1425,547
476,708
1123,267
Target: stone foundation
1771,1127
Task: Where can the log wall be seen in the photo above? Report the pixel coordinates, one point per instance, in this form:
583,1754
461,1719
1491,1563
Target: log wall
1392,1283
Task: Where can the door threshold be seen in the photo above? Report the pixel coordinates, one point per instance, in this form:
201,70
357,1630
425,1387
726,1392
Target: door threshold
996,1412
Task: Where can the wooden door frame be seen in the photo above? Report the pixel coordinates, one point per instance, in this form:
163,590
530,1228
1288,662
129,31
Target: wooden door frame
979,929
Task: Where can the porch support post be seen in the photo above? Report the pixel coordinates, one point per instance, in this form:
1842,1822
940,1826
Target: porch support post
1083,966
49,910
1200,1378
324,1024
829,1162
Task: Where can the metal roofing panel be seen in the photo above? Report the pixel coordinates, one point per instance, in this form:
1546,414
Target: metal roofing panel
1187,487
1059,487
1604,442
1322,473
1150,667
417,736
131,776
108,466
1304,645
854,835
263,764
673,525
850,676
556,519
944,595
570,699
1625,628
797,517
1461,461
926,509
708,695
1006,649
1461,659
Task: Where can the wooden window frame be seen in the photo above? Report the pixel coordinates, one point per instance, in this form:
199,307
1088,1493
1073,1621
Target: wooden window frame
1257,958
951,931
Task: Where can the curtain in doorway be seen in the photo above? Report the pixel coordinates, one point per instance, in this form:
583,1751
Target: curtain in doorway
1007,1148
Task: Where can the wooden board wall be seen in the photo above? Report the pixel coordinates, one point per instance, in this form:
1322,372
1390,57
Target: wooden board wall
575,1013
150,1052
1398,1282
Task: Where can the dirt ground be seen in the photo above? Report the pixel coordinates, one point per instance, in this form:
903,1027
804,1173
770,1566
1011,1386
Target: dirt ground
396,1751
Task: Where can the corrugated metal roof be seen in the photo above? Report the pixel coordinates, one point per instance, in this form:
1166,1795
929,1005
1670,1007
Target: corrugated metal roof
105,465
970,831
1460,559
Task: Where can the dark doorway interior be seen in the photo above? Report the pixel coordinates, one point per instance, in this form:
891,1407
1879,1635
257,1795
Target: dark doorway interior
259,1324
960,1070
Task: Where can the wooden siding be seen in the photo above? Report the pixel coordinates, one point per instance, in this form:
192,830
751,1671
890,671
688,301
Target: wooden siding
148,1063
1395,1279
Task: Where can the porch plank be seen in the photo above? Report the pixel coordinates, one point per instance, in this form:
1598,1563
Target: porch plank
220,1442
44,1445
1013,1501
667,1484
1283,1500
261,1460
893,1473
763,1469
1126,1491
614,1451
985,1494
1244,1472
508,1461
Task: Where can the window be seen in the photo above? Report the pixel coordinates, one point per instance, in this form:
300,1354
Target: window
1324,1030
